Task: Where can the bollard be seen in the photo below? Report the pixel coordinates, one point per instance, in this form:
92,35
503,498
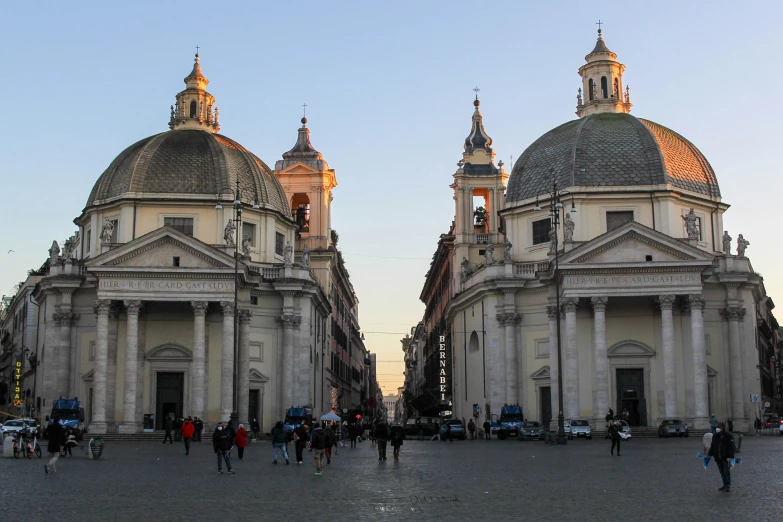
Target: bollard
96,447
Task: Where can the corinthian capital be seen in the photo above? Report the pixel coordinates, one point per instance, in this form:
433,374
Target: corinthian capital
551,312
599,303
508,318
696,302
102,306
228,307
289,320
132,306
244,315
570,304
666,302
199,307
733,313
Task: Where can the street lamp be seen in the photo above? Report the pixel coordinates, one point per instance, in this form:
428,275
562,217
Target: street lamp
237,219
32,358
555,207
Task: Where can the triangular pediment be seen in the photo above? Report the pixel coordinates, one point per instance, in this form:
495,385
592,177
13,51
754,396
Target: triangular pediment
257,377
298,168
157,250
635,243
541,373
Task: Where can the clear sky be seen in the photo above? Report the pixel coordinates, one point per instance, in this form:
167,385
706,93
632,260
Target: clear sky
389,100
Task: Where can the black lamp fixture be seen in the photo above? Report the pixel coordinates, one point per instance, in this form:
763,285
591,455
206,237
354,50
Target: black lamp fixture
555,208
238,227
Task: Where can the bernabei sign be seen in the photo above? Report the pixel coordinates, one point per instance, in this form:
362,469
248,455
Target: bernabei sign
442,375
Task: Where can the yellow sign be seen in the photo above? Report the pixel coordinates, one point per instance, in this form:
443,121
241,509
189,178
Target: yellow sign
18,387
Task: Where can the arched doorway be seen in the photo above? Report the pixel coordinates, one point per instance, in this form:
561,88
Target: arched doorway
630,364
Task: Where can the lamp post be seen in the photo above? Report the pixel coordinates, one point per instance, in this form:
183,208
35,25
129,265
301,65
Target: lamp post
32,358
555,207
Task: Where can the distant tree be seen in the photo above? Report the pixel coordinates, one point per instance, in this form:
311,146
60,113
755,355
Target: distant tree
335,237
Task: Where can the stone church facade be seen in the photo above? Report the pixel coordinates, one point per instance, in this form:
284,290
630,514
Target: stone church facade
137,309
661,310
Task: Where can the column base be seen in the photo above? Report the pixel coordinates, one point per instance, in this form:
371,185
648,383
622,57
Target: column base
701,423
98,428
129,427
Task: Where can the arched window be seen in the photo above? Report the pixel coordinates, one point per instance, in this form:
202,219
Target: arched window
616,90
193,109
604,88
590,89
473,344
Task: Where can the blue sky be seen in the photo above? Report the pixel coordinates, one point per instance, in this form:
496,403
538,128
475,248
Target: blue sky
388,89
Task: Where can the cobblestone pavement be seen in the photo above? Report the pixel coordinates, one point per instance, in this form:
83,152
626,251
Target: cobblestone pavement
499,480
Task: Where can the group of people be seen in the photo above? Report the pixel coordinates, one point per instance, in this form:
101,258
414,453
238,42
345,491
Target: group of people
61,442
475,432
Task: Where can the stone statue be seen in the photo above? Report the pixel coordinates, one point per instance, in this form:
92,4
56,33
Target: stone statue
488,254
54,251
579,96
217,115
507,251
228,232
726,243
552,240
569,225
172,113
246,246
106,233
68,248
288,257
306,257
742,244
464,267
691,225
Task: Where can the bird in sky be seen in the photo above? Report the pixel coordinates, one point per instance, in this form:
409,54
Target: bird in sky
10,251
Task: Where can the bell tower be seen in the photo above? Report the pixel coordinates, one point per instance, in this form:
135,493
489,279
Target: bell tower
602,82
308,182
479,195
195,108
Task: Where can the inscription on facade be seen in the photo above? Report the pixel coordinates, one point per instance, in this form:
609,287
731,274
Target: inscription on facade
624,281
165,285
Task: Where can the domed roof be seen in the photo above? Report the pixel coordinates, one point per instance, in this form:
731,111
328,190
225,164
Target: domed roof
611,150
181,164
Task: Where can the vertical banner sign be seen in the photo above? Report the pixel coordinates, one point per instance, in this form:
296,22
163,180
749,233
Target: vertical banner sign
18,384
442,365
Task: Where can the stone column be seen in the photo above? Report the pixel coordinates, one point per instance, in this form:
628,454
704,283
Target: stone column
65,320
227,365
243,371
667,338
197,389
551,312
111,371
572,359
734,314
701,405
509,321
601,362
98,424
289,321
129,422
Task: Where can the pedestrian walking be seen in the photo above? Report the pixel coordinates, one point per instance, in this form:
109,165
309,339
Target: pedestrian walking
722,450
447,435
70,442
614,434
187,430
198,424
53,433
300,442
730,424
713,423
757,425
472,429
318,447
167,427
331,441
279,442
354,433
221,443
419,429
487,428
340,434
255,427
396,436
381,436
177,427
240,440
609,418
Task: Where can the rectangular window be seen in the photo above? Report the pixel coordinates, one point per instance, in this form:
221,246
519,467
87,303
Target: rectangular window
256,351
89,241
175,261
698,224
115,232
541,231
618,219
279,238
249,229
91,351
254,300
184,225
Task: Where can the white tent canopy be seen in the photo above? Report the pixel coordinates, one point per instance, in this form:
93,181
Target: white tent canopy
331,416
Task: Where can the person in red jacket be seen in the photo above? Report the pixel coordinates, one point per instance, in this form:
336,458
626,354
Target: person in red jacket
240,439
187,430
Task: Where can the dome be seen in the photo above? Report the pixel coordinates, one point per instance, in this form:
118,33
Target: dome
182,164
611,150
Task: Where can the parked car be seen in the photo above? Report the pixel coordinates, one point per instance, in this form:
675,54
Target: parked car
12,426
457,429
581,428
429,427
672,428
532,430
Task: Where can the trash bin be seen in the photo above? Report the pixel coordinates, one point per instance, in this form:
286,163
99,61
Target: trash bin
96,448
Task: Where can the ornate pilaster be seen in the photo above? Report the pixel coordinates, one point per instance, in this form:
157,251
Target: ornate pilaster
243,370
554,373
98,424
734,314
227,367
666,303
601,406
701,406
65,320
509,320
198,395
129,422
289,322
572,405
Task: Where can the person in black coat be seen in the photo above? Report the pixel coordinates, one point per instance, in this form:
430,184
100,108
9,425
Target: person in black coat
167,426
54,433
396,436
614,434
199,425
221,443
722,449
381,435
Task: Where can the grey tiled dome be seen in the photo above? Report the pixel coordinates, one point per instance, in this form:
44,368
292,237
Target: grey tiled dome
184,164
611,150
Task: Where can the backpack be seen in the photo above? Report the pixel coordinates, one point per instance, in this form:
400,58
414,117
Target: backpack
319,439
